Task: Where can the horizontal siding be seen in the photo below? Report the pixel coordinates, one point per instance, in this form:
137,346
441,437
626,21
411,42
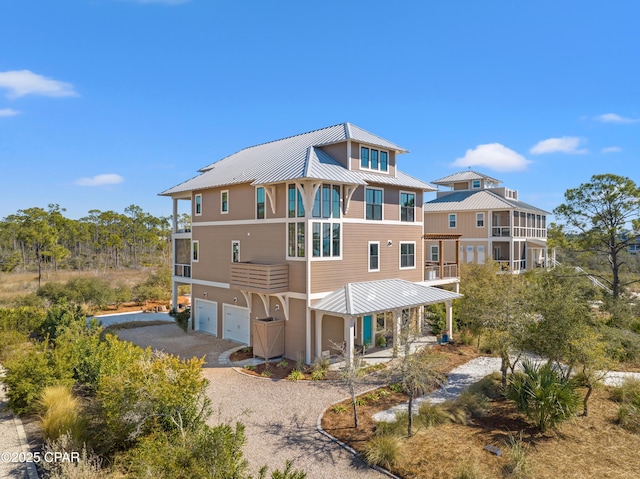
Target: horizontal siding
466,224
331,275
295,330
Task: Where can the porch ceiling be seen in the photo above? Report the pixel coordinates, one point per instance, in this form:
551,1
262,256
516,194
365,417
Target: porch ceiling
356,299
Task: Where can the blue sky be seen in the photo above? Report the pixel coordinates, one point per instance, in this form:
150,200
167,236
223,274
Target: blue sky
106,103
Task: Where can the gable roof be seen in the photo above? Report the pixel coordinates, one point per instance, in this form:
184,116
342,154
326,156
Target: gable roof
356,299
297,157
463,176
476,200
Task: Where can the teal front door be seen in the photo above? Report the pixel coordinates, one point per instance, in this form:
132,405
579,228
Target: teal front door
367,330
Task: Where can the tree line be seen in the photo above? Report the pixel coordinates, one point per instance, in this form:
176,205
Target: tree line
38,239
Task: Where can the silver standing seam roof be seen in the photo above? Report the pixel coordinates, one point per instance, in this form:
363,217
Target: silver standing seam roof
356,299
297,157
463,176
474,201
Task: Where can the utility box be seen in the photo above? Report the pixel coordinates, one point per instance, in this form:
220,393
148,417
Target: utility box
268,338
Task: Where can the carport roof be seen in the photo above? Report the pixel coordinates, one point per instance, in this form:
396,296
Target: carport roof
356,299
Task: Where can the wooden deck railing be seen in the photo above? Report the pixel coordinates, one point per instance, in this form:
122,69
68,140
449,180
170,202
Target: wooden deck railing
261,278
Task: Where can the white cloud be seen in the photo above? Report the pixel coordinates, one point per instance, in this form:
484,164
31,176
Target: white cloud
611,149
615,118
8,112
100,180
24,82
493,156
566,144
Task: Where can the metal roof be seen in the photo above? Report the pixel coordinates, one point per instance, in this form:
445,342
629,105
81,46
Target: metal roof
296,157
463,176
356,299
476,200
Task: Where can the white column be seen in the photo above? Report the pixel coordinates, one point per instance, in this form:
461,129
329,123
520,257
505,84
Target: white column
319,316
349,336
449,304
175,215
174,295
397,318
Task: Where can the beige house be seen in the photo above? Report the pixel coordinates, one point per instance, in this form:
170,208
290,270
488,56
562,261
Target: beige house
320,231
491,223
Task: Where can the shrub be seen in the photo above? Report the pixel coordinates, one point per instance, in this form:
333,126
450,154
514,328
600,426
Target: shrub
88,466
266,373
622,344
432,414
60,317
629,417
396,387
475,404
545,397
318,374
383,451
339,408
393,428
295,375
628,391
489,386
182,318
60,414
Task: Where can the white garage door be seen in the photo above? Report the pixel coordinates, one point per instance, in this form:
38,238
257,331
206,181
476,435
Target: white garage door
207,316
236,323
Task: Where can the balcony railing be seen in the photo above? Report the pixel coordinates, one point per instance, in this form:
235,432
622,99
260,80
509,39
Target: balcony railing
517,265
183,270
261,278
502,231
432,271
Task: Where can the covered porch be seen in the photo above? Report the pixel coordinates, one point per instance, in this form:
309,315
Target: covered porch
359,309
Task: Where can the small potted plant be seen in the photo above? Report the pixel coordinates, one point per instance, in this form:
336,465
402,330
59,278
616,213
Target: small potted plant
381,341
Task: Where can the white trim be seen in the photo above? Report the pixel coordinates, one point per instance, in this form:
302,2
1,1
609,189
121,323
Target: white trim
381,204
321,222
369,256
378,149
196,301
415,199
437,247
195,251
223,212
226,306
233,242
484,223
195,205
415,259
202,282
455,220
289,220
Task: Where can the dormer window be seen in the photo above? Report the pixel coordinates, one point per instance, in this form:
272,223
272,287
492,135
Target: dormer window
373,159
475,184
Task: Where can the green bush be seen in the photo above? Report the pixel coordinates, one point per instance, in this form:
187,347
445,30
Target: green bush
28,372
182,318
24,319
628,391
473,403
60,317
489,386
543,395
393,428
295,375
623,345
383,451
628,394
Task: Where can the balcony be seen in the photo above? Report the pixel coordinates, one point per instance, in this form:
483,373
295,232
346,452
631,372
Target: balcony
260,278
433,271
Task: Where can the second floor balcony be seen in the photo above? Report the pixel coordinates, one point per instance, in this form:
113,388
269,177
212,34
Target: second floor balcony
260,278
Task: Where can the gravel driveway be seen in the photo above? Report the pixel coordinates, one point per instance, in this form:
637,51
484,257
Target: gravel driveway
280,417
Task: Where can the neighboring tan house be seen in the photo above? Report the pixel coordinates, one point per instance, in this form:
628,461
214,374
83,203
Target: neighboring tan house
492,223
319,230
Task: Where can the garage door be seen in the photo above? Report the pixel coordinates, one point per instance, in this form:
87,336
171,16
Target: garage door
236,323
207,316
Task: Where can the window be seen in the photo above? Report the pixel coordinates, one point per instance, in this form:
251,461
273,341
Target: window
198,205
475,184
325,239
373,199
224,202
260,210
373,159
296,237
407,255
452,220
435,253
195,248
326,203
407,206
479,220
296,206
235,251
374,256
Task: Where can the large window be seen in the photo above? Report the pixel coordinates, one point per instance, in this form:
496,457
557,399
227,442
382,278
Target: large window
198,205
326,239
374,256
373,200
260,209
407,255
479,220
295,204
453,220
373,159
407,206
296,237
326,203
224,202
